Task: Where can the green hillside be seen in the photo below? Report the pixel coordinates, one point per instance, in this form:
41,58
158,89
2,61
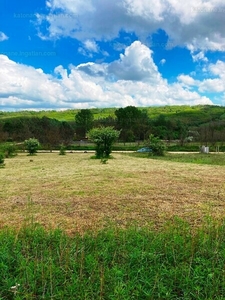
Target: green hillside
193,115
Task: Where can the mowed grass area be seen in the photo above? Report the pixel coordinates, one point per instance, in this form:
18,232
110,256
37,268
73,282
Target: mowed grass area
76,193
134,228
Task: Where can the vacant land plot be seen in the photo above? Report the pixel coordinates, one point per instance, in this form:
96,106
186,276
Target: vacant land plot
76,193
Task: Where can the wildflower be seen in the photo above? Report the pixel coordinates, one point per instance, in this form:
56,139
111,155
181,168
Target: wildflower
14,288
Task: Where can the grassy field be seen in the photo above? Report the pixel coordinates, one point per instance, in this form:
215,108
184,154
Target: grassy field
76,193
216,159
134,228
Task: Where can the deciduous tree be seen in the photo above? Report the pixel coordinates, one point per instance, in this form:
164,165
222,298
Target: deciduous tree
132,122
103,137
83,122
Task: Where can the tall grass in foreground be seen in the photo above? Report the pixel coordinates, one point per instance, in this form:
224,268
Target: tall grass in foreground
173,263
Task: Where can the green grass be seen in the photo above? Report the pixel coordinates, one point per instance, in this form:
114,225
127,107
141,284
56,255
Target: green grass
174,263
196,158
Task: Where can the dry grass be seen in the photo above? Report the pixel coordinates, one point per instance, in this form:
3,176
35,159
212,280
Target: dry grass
77,193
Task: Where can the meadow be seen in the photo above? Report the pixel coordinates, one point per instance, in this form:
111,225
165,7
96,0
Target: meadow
76,193
133,228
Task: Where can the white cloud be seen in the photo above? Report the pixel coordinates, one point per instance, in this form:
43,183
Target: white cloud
132,80
212,85
218,69
78,6
216,84
135,64
213,41
197,25
91,46
162,61
25,83
93,69
3,36
200,56
187,80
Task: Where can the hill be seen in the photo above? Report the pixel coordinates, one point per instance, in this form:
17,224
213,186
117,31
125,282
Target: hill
191,115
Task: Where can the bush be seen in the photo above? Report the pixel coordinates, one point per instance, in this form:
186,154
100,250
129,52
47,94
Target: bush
10,150
2,160
158,147
62,150
31,145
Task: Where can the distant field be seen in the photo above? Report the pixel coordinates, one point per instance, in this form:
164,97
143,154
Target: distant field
76,193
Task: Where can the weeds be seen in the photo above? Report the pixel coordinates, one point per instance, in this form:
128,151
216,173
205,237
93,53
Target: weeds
136,263
104,160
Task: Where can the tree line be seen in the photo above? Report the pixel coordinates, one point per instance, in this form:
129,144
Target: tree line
49,132
134,124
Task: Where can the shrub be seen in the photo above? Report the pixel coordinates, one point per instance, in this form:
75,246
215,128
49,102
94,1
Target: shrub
10,150
2,160
62,150
31,145
158,147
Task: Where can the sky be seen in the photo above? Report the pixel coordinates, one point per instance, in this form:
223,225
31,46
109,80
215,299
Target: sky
74,54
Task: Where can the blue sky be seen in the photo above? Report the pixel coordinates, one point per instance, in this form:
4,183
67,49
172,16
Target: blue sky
64,54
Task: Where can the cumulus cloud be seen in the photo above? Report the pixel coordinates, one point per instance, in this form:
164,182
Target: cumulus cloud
132,80
196,25
3,36
212,85
135,64
25,83
218,69
187,80
215,84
